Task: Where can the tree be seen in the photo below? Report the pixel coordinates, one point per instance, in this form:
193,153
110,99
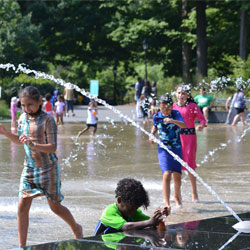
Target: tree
19,39
201,39
243,31
186,47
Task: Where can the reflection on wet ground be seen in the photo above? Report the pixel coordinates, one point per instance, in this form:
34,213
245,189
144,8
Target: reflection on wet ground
207,234
91,167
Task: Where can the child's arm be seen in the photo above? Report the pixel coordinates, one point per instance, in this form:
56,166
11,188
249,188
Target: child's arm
180,124
45,148
153,131
153,221
13,137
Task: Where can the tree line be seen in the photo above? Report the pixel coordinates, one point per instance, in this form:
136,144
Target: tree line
100,39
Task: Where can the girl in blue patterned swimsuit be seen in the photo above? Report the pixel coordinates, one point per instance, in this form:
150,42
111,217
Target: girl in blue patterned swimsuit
168,123
41,174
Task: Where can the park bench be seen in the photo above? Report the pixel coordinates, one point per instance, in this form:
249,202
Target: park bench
219,104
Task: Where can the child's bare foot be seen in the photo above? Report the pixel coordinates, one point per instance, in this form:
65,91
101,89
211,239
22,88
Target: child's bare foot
195,198
178,202
78,233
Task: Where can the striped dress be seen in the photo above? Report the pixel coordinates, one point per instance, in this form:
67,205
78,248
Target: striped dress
41,173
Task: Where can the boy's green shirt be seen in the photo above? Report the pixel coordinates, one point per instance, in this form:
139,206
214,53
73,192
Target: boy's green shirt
112,217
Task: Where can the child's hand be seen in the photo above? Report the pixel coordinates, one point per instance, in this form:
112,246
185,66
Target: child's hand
199,127
167,120
151,140
24,139
165,211
156,217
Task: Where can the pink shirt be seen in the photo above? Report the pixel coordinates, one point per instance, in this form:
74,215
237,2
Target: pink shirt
189,113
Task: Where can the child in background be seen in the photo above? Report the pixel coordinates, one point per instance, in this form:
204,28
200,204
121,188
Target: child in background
145,108
60,109
47,106
91,119
54,97
125,214
168,123
13,110
37,131
153,106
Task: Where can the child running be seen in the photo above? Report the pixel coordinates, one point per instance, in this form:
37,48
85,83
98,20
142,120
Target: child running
91,119
37,131
190,111
125,214
168,123
47,106
60,109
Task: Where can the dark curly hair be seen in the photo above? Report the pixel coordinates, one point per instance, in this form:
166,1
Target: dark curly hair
132,192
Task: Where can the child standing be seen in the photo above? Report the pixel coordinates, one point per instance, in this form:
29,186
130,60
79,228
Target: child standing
125,214
41,174
168,123
13,110
47,106
60,109
91,119
190,111
145,108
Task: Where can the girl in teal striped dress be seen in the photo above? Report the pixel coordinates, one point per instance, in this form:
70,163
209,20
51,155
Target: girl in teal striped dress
37,131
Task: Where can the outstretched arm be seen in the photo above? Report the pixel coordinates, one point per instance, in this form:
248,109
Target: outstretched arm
227,103
13,137
153,131
153,221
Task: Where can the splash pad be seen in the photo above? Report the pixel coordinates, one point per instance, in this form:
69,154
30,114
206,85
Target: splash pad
128,121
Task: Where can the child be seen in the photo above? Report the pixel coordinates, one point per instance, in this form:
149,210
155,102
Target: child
125,213
91,119
153,106
47,106
168,123
145,108
190,111
13,110
60,109
41,174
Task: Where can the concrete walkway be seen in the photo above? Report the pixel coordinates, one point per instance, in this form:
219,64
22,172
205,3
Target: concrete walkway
104,114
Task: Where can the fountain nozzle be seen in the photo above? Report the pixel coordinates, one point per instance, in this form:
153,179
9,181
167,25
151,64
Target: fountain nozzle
242,226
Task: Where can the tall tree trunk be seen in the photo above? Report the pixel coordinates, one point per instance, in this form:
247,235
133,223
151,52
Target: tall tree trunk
201,39
243,33
186,48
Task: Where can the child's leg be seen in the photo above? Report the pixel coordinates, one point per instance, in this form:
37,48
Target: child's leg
94,131
61,118
57,118
194,187
23,220
83,131
205,112
66,215
242,118
166,179
177,188
235,119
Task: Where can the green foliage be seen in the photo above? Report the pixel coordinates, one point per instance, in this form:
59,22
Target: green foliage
4,110
239,67
19,38
82,40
